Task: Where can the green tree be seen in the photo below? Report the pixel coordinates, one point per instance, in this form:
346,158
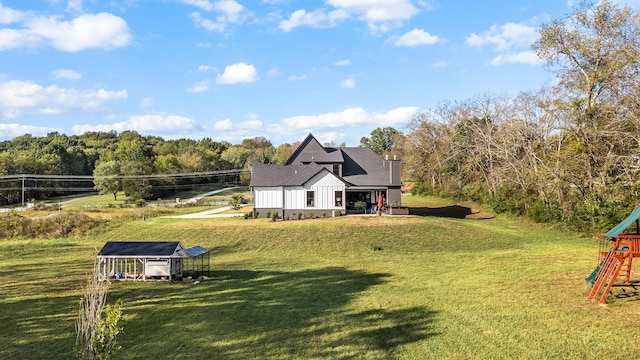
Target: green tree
282,153
107,178
595,53
382,141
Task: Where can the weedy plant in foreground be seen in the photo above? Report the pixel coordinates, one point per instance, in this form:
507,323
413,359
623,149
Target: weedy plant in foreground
97,324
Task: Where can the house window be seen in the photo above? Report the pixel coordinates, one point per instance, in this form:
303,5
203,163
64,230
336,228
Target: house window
310,198
338,198
336,169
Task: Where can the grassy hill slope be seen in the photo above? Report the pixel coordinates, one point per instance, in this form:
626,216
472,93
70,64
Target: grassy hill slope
349,287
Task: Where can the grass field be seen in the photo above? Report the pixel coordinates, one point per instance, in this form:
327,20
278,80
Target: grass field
342,288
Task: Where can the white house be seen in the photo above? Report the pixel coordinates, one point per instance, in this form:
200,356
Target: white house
320,181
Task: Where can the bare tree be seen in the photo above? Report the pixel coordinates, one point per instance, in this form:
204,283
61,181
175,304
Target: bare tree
97,322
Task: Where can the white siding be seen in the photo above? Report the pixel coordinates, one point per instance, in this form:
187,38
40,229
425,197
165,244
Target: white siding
295,197
325,184
267,197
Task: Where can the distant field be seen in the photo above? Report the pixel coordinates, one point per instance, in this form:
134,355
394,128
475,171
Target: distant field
343,288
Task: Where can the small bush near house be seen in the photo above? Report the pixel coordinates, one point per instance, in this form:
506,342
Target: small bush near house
236,202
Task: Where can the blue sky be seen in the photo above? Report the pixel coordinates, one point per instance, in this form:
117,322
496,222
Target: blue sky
233,69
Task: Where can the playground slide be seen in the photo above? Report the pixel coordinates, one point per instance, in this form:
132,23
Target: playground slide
592,278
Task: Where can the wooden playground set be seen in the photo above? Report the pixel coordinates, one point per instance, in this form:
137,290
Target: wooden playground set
618,248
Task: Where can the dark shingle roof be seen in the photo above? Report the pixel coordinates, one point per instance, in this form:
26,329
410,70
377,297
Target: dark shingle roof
288,175
140,248
361,166
310,151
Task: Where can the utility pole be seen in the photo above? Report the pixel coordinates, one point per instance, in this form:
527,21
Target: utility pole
23,192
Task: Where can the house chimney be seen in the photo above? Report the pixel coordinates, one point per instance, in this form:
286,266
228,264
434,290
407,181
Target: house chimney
394,172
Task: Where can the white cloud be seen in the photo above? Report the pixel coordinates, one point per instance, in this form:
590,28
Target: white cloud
319,18
273,73
227,12
511,41
75,6
10,131
66,74
505,37
231,11
297,77
342,63
416,37
202,4
204,68
348,83
236,132
524,57
351,117
9,16
103,30
146,103
200,86
206,23
150,124
238,73
380,15
440,64
18,98
223,125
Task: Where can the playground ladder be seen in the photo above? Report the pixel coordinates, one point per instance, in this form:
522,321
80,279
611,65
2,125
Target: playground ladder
609,270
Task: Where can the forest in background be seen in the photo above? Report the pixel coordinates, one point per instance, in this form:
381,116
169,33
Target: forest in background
568,153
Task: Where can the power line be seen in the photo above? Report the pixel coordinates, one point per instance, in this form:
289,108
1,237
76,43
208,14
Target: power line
147,176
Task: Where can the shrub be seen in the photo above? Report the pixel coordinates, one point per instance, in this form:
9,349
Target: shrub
274,216
236,202
338,213
299,215
54,226
542,213
268,214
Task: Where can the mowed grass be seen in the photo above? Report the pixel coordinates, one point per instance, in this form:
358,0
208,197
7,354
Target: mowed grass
342,288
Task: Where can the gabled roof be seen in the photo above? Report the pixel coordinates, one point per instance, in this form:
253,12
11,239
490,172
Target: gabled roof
311,151
285,175
140,248
361,166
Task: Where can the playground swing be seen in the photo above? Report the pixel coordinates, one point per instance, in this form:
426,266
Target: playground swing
615,259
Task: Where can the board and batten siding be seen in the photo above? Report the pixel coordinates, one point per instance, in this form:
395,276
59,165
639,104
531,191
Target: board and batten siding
267,197
324,184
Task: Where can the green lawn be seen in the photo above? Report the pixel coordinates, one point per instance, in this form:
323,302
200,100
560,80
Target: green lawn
344,288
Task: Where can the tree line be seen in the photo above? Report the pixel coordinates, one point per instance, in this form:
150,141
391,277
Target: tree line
125,161
569,152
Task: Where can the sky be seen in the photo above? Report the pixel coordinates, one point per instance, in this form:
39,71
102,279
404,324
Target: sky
281,69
